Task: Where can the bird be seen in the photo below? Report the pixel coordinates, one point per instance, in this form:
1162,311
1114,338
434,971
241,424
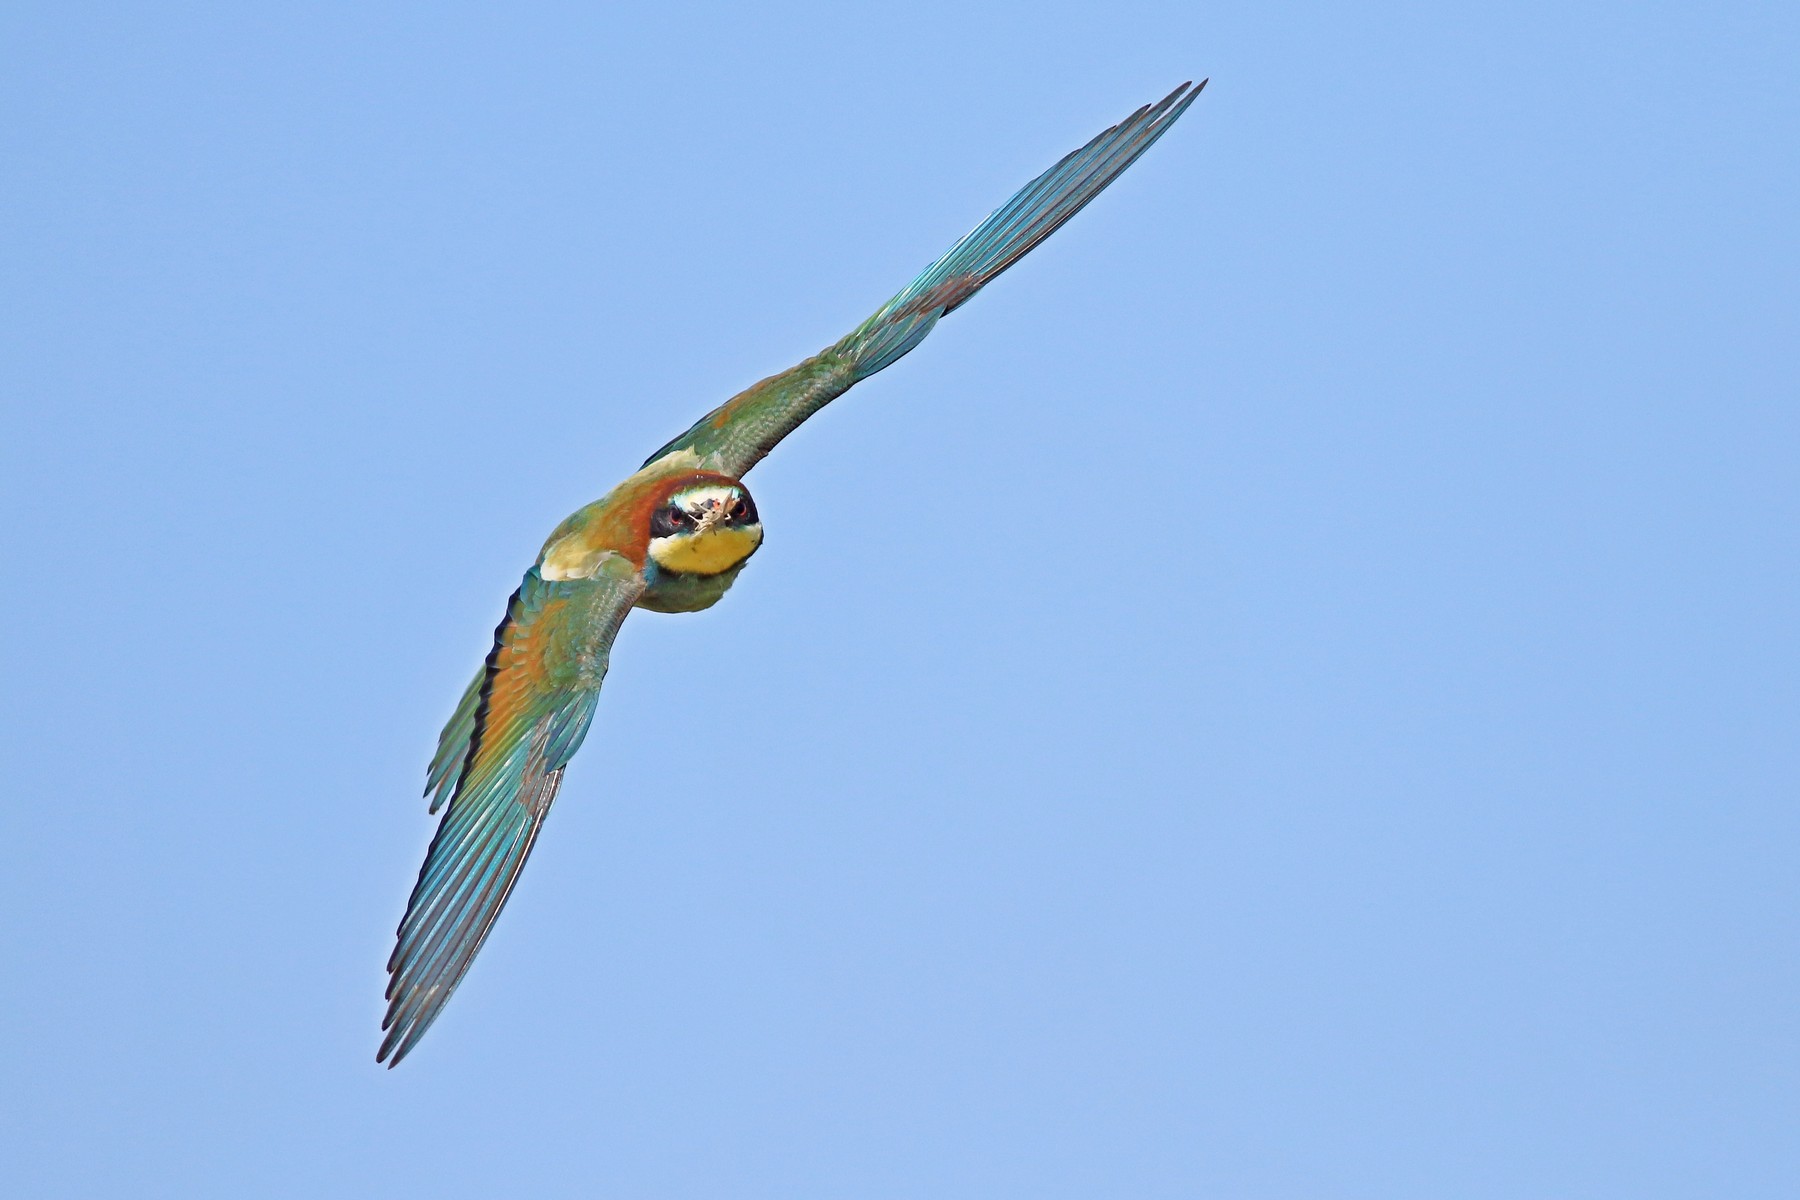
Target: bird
673,538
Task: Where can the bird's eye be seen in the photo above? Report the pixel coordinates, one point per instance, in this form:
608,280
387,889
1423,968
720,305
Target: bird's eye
739,509
679,515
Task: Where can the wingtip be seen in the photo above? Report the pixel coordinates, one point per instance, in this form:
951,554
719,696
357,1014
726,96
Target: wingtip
1176,102
1182,99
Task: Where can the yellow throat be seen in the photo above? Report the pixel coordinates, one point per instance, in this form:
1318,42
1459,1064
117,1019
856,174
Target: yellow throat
706,552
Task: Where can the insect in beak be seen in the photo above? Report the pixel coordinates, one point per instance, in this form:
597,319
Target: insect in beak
712,515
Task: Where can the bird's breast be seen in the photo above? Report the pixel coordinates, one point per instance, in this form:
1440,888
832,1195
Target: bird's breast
672,592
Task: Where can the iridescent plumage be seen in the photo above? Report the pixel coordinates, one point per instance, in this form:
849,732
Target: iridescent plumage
671,538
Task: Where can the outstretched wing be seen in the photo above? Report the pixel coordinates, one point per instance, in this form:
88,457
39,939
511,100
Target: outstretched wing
735,436
500,761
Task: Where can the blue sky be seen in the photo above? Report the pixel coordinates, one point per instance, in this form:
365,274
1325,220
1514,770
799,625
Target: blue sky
1291,692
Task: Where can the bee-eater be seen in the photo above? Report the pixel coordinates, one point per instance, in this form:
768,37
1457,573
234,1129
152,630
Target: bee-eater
671,538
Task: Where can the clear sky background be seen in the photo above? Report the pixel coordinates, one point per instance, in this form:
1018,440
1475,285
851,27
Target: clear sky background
1290,693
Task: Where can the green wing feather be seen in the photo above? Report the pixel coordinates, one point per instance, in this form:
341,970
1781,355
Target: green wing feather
735,436
500,762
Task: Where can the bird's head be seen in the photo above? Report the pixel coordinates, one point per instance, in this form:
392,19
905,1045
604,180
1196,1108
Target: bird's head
704,526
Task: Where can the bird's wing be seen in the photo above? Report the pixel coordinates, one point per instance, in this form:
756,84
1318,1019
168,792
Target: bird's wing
735,436
500,761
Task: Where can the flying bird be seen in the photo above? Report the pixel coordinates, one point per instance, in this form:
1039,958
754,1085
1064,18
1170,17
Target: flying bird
671,538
